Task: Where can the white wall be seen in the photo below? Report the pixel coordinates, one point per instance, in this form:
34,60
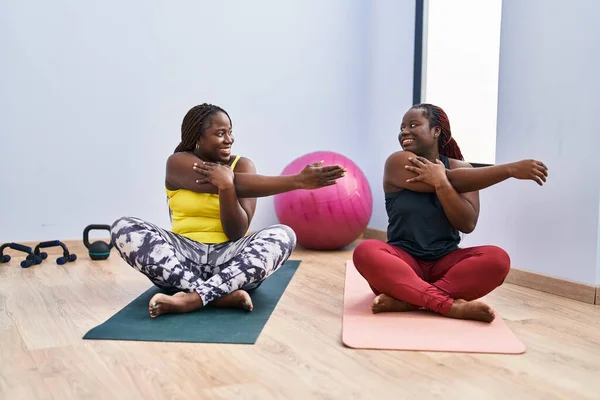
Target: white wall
391,60
92,96
461,50
548,90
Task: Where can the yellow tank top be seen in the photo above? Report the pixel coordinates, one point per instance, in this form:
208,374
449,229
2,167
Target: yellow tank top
197,215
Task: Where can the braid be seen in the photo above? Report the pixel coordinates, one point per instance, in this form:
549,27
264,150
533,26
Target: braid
195,123
447,146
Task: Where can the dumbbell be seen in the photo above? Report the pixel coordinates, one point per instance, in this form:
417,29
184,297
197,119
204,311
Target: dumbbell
30,260
66,257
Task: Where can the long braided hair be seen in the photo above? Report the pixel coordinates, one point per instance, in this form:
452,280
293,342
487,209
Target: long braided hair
447,146
195,123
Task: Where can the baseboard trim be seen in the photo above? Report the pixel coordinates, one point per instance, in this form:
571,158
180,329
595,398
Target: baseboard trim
558,286
371,233
561,287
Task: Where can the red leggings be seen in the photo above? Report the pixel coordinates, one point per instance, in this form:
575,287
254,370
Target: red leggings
466,274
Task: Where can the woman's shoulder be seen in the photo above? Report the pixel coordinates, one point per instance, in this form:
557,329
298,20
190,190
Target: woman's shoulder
454,163
179,157
242,164
396,161
400,156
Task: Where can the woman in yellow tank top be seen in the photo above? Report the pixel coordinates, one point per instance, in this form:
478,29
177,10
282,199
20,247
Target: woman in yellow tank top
208,258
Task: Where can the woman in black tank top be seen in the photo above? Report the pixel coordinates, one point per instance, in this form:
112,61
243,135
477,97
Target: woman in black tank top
431,196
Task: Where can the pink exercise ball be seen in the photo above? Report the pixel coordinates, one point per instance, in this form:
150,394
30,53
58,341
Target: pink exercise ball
331,217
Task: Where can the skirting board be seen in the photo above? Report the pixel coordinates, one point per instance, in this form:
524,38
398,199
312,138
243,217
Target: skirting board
561,287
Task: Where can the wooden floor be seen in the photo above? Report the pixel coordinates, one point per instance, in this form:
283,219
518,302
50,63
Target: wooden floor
46,309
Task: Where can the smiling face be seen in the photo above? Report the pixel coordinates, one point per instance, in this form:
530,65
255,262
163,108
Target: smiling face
214,144
416,135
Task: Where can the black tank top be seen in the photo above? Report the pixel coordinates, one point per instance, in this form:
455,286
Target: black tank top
418,224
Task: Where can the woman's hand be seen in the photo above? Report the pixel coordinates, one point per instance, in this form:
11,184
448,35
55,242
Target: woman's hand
428,172
314,176
529,169
218,175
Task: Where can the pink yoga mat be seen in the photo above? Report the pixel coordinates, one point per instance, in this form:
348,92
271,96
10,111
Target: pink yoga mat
417,330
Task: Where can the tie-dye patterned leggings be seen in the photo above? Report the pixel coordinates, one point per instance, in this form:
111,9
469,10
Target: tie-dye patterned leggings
176,263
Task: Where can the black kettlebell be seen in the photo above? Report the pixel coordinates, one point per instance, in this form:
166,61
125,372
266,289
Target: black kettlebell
98,250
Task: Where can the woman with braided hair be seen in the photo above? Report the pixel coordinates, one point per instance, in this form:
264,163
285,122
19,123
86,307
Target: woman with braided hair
431,195
207,258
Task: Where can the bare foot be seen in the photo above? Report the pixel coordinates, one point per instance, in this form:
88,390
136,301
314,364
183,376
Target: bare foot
472,310
237,299
385,303
180,302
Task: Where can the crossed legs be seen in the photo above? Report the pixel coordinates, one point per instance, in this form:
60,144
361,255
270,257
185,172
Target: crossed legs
449,286
201,274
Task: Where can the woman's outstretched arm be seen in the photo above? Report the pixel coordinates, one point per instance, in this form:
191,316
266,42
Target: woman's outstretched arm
472,179
403,166
186,171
